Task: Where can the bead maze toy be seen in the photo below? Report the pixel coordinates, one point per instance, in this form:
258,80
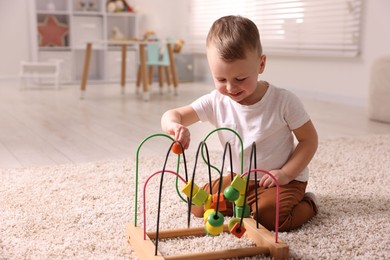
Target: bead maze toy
266,243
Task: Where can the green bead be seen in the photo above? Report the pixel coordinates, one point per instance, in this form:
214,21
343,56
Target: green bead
232,222
231,194
239,211
200,197
215,219
239,184
206,214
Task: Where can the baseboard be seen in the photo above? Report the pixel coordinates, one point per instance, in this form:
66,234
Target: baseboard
334,98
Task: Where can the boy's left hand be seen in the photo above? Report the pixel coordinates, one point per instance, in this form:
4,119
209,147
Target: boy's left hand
267,182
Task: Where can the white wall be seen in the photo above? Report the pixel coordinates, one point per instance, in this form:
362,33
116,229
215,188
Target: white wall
342,80
14,36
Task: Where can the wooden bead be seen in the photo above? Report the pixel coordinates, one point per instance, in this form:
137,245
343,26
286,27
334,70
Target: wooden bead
239,184
187,189
207,203
232,222
200,197
215,219
239,211
206,214
222,202
214,231
176,148
238,230
231,194
240,201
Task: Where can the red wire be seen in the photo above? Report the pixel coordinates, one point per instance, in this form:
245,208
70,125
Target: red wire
246,173
144,195
277,199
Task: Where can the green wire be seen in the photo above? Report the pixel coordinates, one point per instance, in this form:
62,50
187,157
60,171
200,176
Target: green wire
241,143
136,171
178,164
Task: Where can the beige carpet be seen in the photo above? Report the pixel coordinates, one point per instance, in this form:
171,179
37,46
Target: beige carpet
80,211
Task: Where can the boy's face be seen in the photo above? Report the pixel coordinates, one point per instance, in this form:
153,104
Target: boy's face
237,79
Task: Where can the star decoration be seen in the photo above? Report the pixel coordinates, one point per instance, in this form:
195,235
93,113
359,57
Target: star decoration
52,32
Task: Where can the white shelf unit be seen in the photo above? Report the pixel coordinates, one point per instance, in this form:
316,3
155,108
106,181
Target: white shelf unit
89,24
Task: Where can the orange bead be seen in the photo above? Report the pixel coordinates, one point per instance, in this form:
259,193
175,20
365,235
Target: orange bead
238,230
222,202
176,148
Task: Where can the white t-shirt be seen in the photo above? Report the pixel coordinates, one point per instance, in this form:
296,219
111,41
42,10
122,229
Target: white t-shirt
268,123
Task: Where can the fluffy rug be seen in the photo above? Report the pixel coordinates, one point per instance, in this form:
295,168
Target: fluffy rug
80,211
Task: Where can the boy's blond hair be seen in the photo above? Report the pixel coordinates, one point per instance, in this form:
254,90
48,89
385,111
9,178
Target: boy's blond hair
233,36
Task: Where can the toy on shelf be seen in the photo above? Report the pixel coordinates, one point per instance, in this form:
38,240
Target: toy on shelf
240,224
117,6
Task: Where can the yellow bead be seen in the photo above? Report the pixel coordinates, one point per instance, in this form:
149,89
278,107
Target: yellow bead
214,231
207,203
240,201
187,189
206,214
200,197
239,184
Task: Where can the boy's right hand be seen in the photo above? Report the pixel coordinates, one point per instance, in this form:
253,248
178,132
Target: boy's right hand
180,133
175,121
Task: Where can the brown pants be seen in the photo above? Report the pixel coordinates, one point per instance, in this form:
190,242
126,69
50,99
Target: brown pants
294,208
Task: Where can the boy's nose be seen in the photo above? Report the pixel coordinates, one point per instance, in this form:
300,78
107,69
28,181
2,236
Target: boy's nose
229,87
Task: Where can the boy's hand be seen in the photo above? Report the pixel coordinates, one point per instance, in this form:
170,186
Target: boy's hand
267,182
180,133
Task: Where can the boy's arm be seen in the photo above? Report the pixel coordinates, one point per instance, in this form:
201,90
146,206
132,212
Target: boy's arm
175,121
300,158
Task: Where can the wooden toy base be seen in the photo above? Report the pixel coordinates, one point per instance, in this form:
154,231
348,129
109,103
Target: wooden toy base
264,240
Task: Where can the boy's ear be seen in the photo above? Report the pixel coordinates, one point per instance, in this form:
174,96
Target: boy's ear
263,60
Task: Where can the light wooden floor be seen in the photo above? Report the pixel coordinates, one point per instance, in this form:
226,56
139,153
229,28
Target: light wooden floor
46,126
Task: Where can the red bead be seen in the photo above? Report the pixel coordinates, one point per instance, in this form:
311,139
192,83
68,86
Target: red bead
238,230
176,148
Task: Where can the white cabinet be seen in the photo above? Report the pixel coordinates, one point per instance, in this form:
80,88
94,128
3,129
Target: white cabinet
114,62
60,30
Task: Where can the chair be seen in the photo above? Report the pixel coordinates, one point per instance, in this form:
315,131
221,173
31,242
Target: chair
160,56
39,71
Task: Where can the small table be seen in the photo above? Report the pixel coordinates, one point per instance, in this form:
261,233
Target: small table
143,66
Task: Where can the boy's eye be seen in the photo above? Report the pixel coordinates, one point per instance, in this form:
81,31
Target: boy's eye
241,79
221,80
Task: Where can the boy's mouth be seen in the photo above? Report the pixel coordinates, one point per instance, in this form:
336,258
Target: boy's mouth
235,94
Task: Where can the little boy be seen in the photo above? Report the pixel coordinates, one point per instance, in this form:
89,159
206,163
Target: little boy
259,112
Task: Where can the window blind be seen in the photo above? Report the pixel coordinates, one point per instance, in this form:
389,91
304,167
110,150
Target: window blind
288,27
